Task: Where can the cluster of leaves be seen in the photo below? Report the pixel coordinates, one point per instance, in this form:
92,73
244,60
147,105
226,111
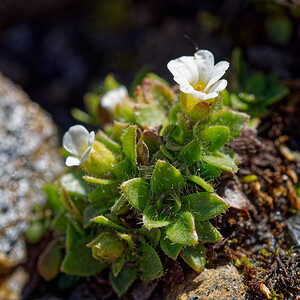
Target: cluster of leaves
157,200
252,92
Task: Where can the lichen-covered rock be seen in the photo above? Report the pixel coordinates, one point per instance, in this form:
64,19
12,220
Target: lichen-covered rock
28,158
223,282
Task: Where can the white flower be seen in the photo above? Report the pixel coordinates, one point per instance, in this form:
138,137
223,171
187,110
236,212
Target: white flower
197,75
114,97
78,141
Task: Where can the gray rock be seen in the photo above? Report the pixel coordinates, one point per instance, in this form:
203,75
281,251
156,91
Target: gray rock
223,282
29,157
293,225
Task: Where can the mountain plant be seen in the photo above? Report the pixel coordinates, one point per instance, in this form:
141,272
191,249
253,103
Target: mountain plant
141,190
252,92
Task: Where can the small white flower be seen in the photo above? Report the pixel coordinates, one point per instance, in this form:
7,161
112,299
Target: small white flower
114,97
198,75
78,141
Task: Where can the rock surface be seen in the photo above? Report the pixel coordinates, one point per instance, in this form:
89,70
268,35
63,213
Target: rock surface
223,282
29,157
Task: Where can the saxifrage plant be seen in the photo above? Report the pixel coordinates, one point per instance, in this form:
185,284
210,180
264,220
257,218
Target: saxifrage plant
143,187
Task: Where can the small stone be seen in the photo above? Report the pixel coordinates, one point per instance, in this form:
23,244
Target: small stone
11,288
293,225
223,282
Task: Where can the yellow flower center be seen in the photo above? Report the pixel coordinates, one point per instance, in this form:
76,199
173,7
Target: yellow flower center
199,87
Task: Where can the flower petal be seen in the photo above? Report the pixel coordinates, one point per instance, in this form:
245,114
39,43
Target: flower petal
113,97
217,72
85,154
91,138
72,161
210,96
75,140
219,86
204,60
182,68
188,89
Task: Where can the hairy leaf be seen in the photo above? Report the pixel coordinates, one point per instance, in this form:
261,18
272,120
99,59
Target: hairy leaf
136,192
195,257
165,177
183,231
204,206
150,263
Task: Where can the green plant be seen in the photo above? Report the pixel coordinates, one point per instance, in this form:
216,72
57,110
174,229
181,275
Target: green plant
144,186
252,92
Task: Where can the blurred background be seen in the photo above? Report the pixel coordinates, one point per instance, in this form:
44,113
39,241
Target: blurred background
57,50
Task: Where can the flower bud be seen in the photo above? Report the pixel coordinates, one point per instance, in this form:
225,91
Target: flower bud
107,247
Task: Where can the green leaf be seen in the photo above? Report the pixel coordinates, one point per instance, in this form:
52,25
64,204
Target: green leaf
74,184
108,223
72,236
123,111
235,121
124,170
101,181
91,103
108,142
53,197
153,219
204,206
110,83
191,153
225,162
158,78
166,152
214,137
183,230
157,92
81,116
207,232
172,145
153,235
104,193
165,177
118,265
173,113
127,238
136,192
150,263
171,249
60,222
79,261
209,172
70,203
120,206
123,281
149,116
129,142
49,261
195,257
200,181
93,211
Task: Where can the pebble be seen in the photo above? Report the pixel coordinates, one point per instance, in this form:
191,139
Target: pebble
293,225
222,282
